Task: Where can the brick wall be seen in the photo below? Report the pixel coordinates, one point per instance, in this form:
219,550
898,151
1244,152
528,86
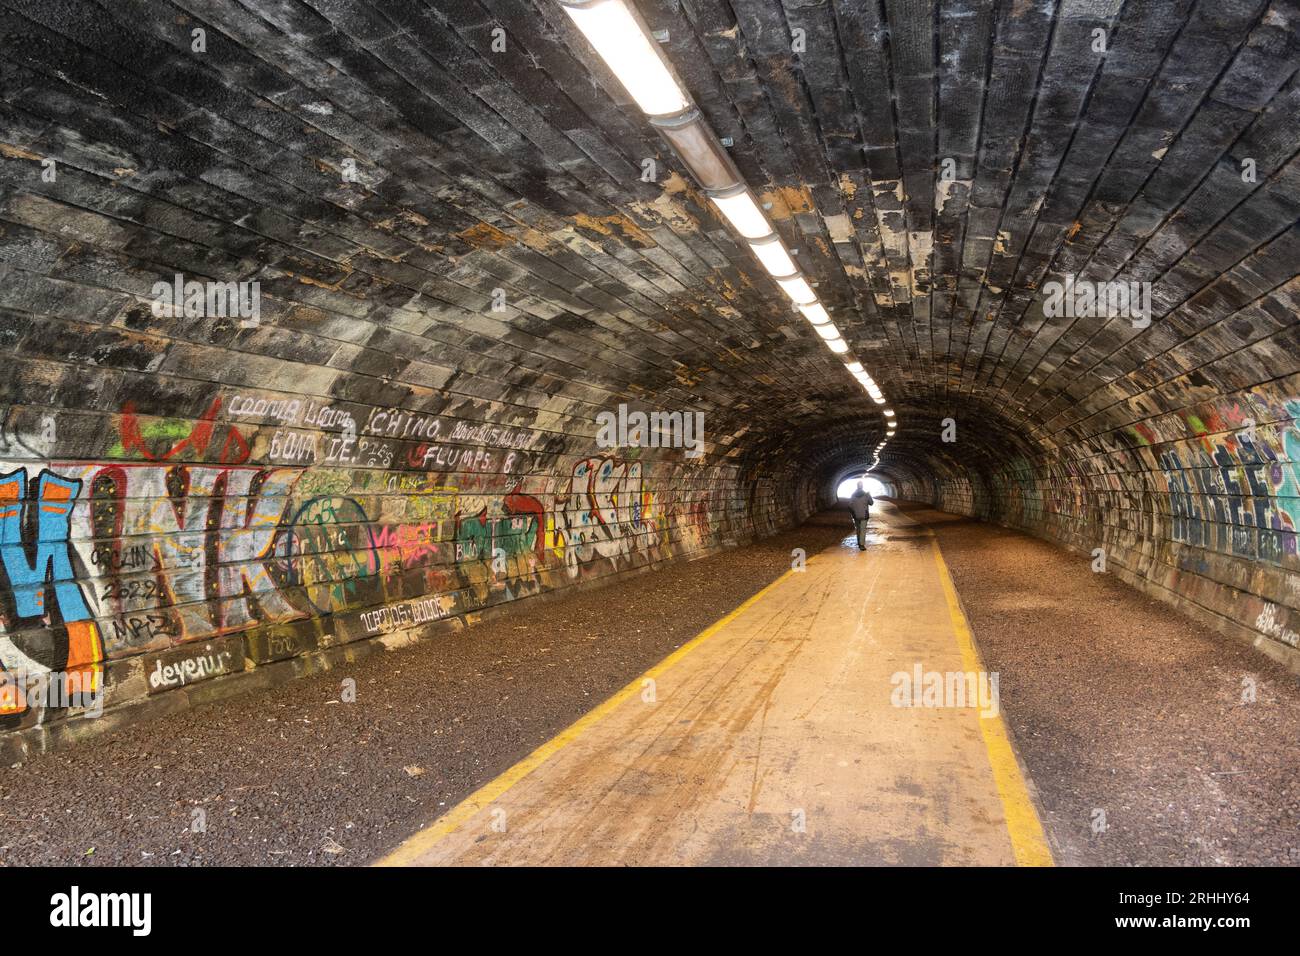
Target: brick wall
1198,507
160,532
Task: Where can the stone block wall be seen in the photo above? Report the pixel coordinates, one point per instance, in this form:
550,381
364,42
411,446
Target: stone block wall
160,531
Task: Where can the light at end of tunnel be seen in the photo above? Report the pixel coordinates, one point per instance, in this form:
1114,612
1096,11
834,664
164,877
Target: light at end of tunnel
798,289
612,29
874,486
838,346
742,212
771,253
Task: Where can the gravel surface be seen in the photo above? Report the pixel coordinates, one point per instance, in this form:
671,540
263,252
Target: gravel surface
1116,703
1120,704
291,776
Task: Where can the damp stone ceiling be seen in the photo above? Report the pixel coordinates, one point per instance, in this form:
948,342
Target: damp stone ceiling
469,242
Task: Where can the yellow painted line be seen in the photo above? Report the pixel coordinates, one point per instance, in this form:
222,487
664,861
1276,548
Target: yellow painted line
1028,841
416,846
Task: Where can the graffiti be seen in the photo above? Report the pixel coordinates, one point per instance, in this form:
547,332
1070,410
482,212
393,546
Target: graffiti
1232,485
189,669
329,552
181,439
604,512
404,546
211,532
201,546
143,628
37,558
386,619
501,545
1269,623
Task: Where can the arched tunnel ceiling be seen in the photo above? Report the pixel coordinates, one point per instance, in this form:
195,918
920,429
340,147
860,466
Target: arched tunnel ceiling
521,170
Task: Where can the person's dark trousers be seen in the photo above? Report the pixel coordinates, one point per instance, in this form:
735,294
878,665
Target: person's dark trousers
861,525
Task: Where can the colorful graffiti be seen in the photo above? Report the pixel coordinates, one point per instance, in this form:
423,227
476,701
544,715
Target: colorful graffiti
1231,476
501,545
38,561
174,552
328,550
604,512
163,439
1202,503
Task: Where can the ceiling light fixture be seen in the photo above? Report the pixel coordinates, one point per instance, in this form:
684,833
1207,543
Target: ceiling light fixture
621,38
815,313
772,254
798,289
738,205
697,147
616,33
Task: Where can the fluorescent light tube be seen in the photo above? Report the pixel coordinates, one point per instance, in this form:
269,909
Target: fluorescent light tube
855,367
815,313
827,331
743,214
838,346
798,289
775,259
612,29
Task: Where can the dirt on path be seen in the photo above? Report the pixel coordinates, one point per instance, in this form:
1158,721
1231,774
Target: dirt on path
1122,707
291,776
1117,704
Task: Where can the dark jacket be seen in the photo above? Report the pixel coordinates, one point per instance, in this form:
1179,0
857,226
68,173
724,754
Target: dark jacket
860,504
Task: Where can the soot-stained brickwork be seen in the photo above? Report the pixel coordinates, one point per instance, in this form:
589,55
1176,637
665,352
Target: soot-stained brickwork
463,257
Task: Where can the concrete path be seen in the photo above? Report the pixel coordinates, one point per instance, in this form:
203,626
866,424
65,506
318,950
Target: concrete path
775,737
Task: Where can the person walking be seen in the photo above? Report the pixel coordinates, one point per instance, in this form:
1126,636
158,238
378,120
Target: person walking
860,503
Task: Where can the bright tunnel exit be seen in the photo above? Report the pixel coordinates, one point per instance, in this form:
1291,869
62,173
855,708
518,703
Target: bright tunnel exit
874,486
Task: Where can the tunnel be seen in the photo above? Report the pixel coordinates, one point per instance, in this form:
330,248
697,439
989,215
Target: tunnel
470,398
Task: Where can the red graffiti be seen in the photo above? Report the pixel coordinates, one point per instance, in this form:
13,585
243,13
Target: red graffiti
234,449
521,504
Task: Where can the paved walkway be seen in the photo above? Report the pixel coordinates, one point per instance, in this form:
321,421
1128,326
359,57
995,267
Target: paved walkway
775,737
